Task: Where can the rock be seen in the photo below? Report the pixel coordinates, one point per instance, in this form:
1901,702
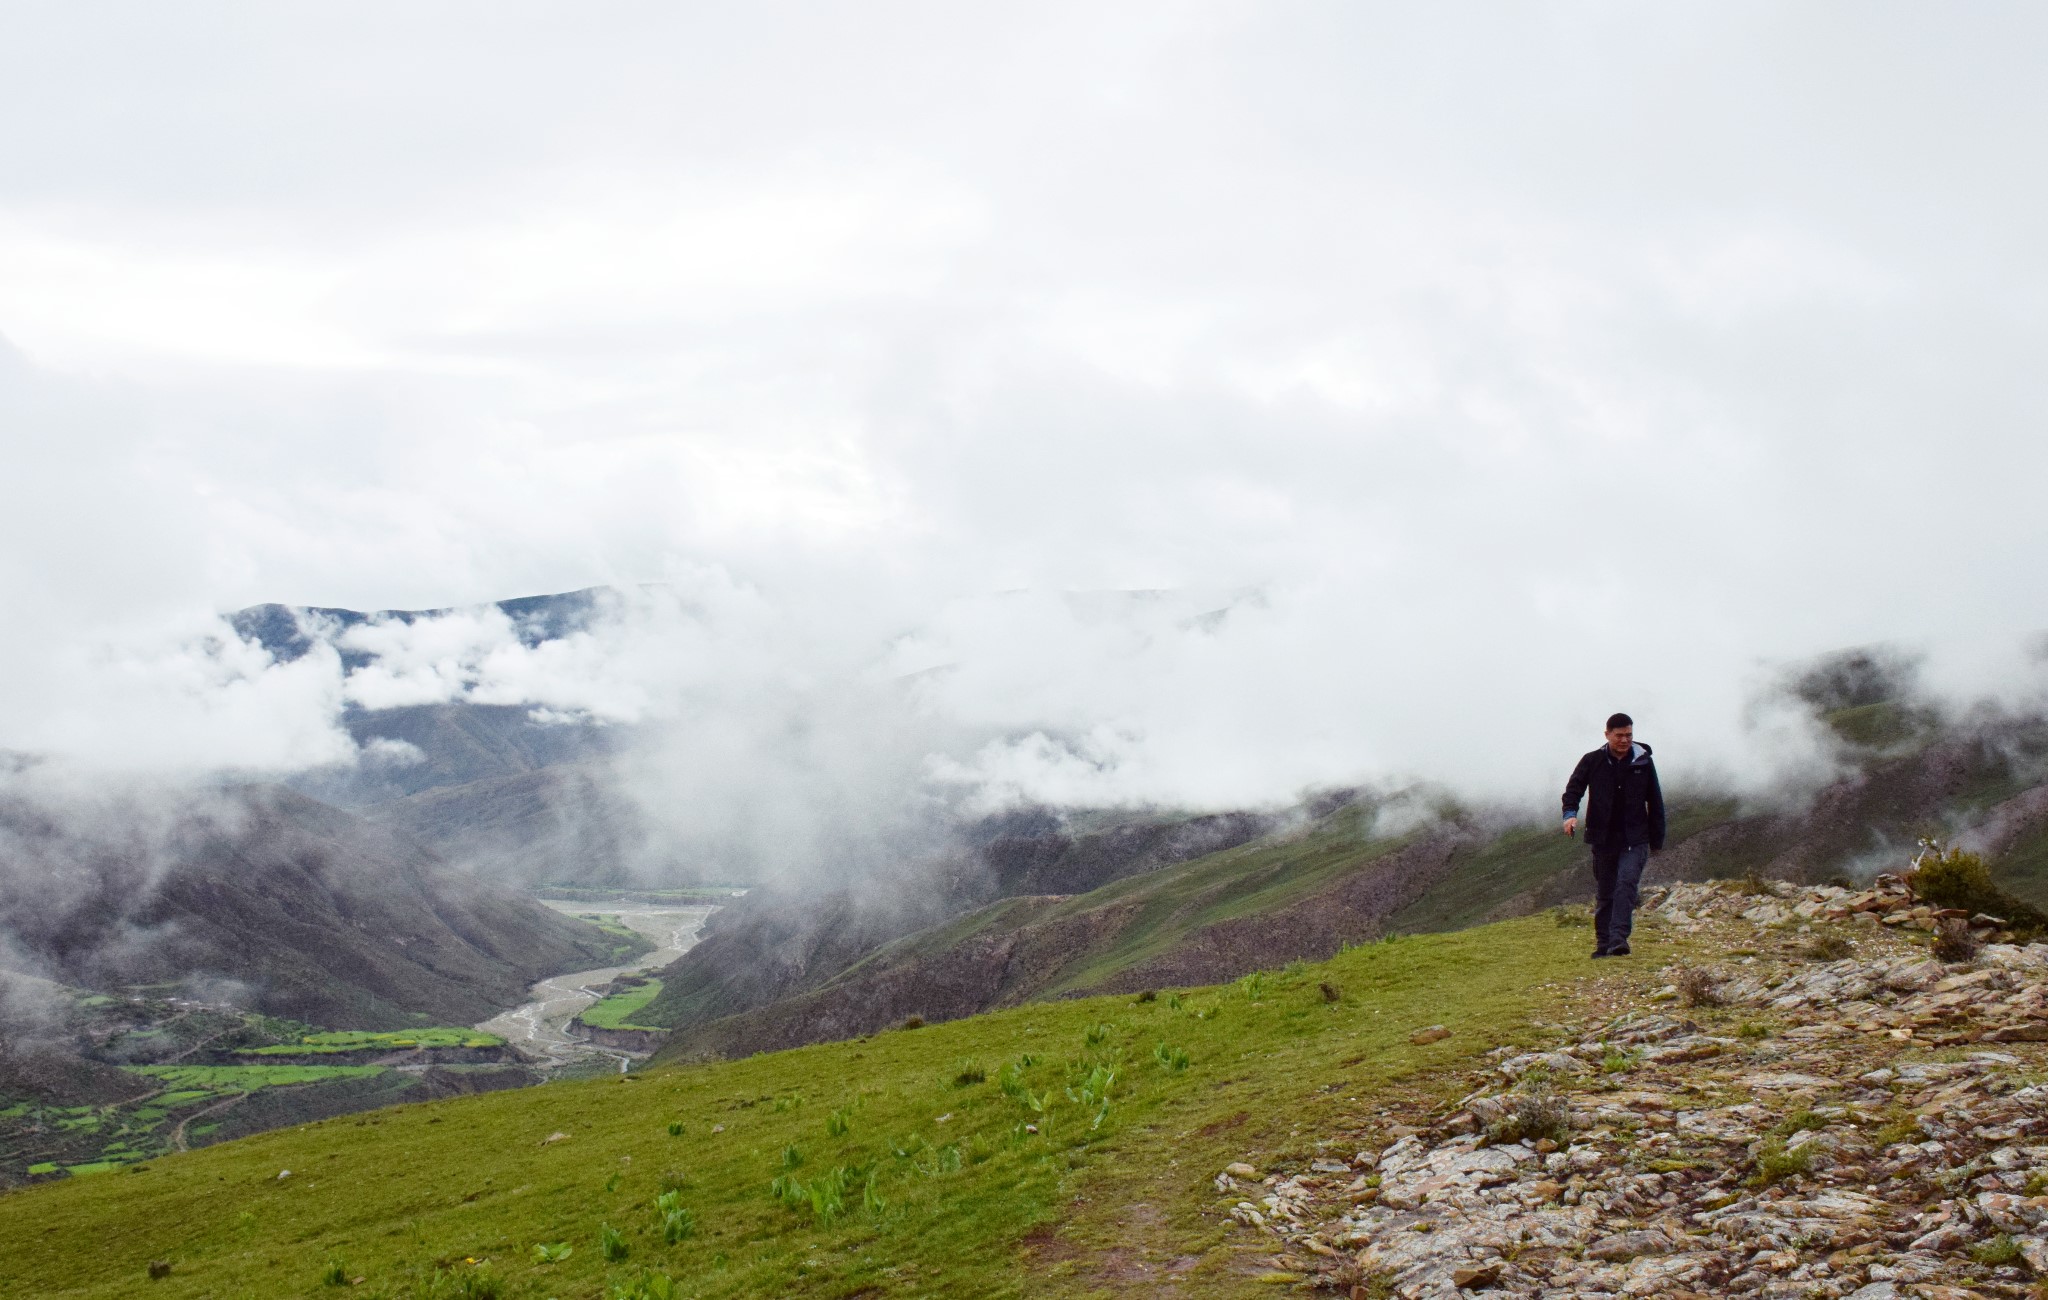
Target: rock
1624,1246
1476,1277
1875,1291
1433,1034
1239,1169
564,1137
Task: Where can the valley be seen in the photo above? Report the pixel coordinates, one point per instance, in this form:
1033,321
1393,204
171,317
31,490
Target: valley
545,1026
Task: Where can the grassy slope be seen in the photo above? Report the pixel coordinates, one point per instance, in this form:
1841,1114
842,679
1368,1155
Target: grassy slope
1171,903
398,1190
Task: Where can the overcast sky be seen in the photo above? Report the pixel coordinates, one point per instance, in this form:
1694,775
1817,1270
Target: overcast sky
1494,365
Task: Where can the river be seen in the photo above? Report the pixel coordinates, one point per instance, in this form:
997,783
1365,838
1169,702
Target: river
541,1027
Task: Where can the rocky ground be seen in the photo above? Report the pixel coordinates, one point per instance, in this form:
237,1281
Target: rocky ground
1823,1109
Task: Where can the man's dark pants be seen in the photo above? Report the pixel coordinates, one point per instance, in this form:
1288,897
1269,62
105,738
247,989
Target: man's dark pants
1616,873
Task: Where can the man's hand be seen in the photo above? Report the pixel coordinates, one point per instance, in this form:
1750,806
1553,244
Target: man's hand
1571,826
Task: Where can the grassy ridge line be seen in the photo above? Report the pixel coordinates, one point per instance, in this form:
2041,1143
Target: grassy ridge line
1272,1067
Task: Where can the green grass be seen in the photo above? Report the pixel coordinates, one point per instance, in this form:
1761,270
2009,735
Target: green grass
923,1186
618,1010
223,1079
360,1040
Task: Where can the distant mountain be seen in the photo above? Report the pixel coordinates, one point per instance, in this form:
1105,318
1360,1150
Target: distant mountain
522,800
273,900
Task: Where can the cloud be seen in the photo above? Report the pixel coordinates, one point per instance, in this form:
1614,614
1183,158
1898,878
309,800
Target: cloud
1462,380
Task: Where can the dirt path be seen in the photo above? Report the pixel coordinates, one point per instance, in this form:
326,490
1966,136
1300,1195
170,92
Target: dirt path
178,1133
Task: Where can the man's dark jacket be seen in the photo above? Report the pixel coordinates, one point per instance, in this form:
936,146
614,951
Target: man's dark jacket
1637,817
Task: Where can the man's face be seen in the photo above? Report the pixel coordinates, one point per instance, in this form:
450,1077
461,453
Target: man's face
1620,738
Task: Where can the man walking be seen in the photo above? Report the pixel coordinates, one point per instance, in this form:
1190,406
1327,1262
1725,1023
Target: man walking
1624,826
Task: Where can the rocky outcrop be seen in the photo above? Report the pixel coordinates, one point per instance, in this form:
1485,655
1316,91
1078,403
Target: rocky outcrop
1865,1127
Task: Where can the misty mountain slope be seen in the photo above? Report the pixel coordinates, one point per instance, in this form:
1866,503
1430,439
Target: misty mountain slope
555,824
289,906
447,745
774,944
1304,894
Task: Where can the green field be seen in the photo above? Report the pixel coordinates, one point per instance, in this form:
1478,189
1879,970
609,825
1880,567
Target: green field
359,1040
618,1010
902,1164
223,1079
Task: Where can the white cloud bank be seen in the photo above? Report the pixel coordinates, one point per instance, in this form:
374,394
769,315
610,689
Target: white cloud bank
1525,363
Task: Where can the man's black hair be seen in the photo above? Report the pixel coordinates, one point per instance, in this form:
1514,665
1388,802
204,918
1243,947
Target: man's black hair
1620,720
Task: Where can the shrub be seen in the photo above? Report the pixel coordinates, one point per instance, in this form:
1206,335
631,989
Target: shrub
610,1244
2001,1249
1697,987
968,1074
1830,945
1752,883
1953,940
1534,1113
1750,1029
1149,995
1774,1164
1253,986
1568,917
1330,992
1954,878
335,1273
675,1128
913,1022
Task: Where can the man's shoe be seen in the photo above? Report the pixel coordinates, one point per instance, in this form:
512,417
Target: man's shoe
1621,951
1601,952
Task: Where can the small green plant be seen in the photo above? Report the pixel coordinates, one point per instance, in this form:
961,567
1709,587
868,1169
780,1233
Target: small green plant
1097,1035
871,1200
1567,918
1330,992
1171,1059
783,1105
1800,1121
610,1244
838,1124
335,1273
1751,1030
792,1158
677,1223
1253,986
1295,969
672,1180
1620,1061
647,1286
1775,1162
2001,1249
968,1073
612,1184
1149,995
1010,1080
1173,1001
552,1252
675,1128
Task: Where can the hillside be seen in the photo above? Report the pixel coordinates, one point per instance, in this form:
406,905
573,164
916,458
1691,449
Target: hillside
1306,890
1134,1146
284,905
